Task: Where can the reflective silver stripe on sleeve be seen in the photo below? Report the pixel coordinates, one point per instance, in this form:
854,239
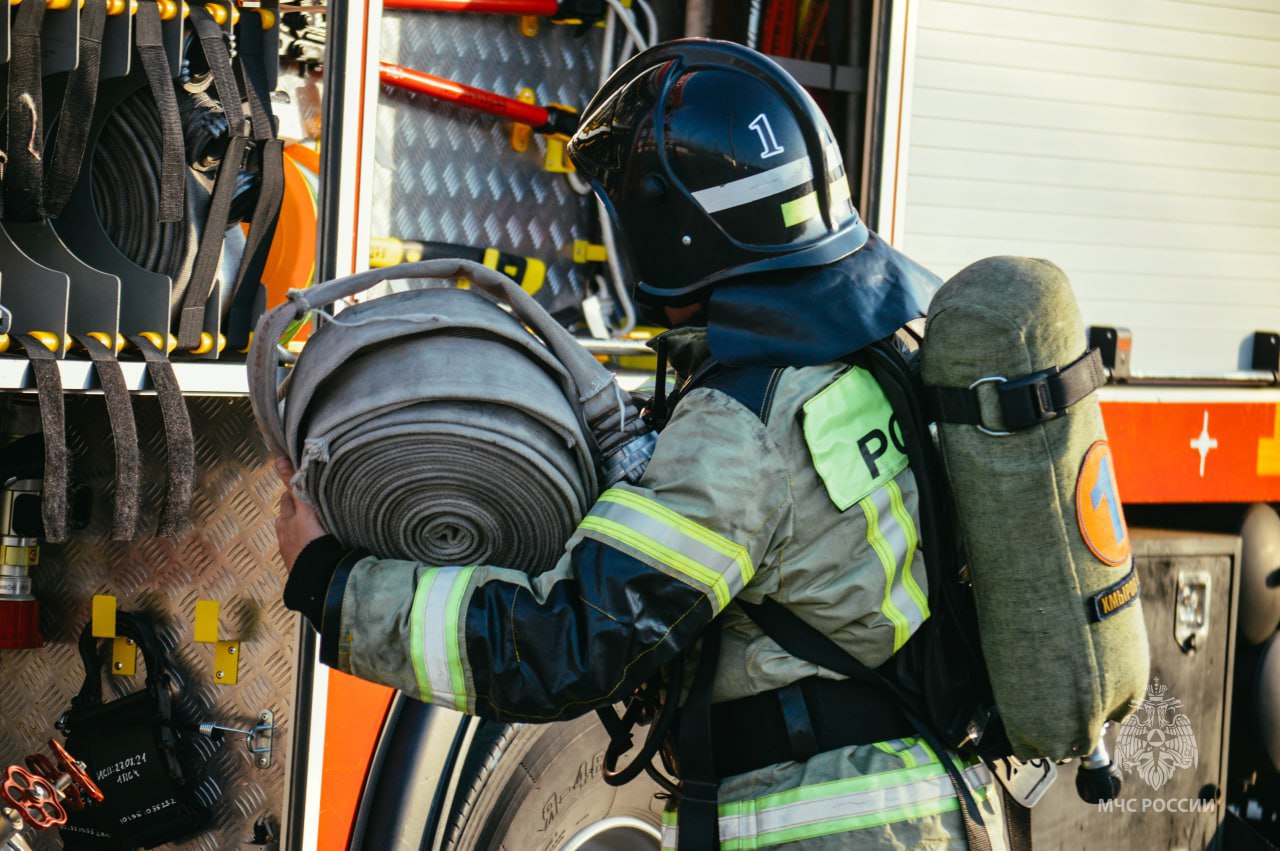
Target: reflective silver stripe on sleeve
441,643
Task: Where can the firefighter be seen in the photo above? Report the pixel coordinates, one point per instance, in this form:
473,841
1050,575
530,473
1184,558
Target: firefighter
778,473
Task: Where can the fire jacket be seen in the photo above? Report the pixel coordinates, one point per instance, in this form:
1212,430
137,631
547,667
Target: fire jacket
802,494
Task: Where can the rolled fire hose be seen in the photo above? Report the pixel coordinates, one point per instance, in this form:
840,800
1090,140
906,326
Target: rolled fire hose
435,426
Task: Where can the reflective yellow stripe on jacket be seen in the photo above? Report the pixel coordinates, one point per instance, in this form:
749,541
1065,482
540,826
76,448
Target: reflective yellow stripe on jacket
693,553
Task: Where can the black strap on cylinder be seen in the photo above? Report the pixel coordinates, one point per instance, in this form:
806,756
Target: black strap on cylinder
251,67
24,168
699,818
149,39
76,116
124,436
1025,401
191,320
53,422
179,440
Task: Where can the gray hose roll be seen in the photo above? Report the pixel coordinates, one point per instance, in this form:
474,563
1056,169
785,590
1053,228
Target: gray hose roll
432,425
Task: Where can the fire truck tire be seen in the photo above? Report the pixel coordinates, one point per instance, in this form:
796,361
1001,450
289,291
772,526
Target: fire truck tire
539,787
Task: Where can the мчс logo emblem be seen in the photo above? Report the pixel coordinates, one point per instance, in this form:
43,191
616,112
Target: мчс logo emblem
1156,740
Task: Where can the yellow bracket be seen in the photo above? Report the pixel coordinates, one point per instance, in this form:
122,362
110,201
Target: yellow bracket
226,654
588,252
49,340
124,653
124,657
529,25
104,616
105,339
206,344
557,160
167,342
522,133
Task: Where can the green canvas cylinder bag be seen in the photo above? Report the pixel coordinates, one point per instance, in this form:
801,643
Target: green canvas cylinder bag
1012,384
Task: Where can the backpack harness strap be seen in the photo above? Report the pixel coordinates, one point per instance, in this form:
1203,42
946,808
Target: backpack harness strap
808,717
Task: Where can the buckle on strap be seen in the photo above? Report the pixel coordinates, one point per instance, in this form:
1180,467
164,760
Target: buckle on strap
1024,401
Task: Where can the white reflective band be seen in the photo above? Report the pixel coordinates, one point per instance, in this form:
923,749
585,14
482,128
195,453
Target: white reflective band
757,186
436,612
812,814
710,562
834,157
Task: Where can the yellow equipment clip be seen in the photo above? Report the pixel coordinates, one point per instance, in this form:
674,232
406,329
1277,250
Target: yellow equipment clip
529,25
103,621
588,252
226,656
522,133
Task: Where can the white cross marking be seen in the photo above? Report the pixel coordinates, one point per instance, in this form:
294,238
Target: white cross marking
1204,443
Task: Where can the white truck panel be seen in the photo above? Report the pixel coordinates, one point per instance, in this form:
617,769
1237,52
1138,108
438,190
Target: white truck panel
1135,144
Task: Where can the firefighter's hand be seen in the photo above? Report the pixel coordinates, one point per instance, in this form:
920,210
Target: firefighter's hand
297,524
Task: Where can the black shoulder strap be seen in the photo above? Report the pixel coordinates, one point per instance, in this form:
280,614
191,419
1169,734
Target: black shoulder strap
752,386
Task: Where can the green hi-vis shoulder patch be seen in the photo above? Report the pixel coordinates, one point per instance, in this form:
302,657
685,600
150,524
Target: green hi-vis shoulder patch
854,439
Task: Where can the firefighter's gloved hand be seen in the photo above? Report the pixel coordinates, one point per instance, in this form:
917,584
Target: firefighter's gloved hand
296,524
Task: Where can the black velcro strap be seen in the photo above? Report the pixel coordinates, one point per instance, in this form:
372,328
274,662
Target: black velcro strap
179,440
1026,401
149,39
209,254
53,422
250,63
761,730
76,116
24,167
1115,598
124,436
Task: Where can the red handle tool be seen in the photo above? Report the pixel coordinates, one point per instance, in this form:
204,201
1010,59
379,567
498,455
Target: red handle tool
541,8
550,120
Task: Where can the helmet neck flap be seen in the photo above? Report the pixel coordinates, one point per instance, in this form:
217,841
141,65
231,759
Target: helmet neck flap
810,316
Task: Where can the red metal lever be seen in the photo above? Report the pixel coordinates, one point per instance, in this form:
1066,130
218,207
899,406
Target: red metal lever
541,8
553,120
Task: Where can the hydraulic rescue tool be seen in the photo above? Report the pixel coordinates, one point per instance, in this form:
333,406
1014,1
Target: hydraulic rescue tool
40,795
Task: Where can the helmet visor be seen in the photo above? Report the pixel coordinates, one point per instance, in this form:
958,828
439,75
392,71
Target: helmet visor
605,137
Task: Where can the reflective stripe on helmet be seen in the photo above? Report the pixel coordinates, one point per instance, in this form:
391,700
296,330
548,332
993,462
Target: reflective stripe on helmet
736,193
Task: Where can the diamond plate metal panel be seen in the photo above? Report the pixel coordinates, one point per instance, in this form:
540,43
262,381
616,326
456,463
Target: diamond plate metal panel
230,556
446,174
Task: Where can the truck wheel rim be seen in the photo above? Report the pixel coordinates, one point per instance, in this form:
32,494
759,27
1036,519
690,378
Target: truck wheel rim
619,833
